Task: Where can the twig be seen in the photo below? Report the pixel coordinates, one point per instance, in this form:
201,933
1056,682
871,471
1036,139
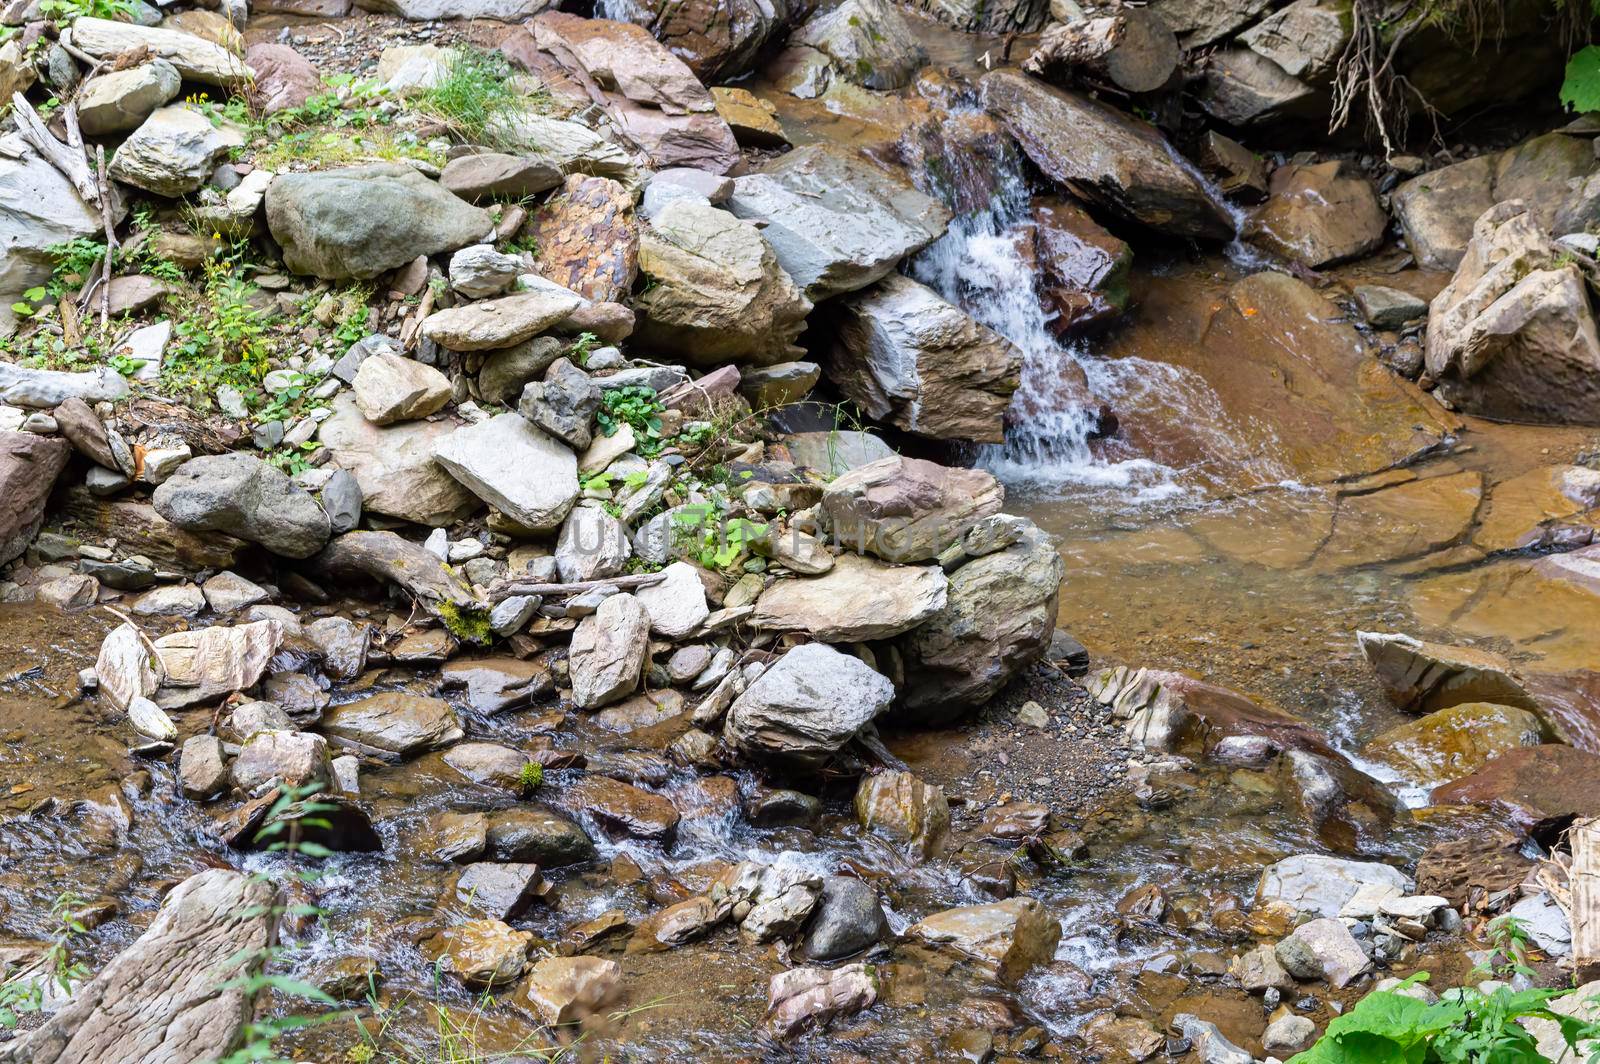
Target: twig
504,589
111,232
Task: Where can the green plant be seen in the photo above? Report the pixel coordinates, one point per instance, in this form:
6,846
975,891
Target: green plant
531,776
582,346
294,459
638,407
24,991
1580,88
64,11
125,365
715,544
474,91
284,831
29,304
221,338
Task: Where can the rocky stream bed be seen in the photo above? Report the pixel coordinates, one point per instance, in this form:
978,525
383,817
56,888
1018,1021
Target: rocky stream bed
786,531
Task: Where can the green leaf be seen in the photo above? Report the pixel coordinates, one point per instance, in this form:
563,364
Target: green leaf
1580,91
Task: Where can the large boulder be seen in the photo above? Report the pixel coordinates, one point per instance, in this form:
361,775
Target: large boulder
39,209
494,324
243,496
1537,790
905,355
1083,269
859,599
804,708
395,722
29,466
193,57
204,664
394,466
1005,940
982,16
718,39
653,97
998,618
173,995
1450,743
171,154
588,239
355,223
1105,157
1243,88
835,222
1319,885
868,42
1320,214
530,477
284,79
122,99
1513,336
1304,39
907,509
716,293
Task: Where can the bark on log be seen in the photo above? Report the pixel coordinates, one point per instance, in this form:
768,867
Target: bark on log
161,1000
1585,885
138,529
386,556
159,417
1132,50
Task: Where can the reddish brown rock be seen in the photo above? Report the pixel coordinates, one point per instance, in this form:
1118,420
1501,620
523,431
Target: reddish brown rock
587,238
1319,215
1538,790
29,466
283,77
1083,268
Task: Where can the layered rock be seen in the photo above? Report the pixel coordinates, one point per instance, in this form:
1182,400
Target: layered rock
718,39
835,222
394,466
716,291
1319,215
29,466
906,509
906,356
858,599
806,707
1005,939
867,42
508,463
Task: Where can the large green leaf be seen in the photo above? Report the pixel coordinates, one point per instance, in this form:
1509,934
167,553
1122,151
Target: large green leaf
1580,91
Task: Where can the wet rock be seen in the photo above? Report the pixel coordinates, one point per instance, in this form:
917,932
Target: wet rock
1258,970
454,837
847,920
637,812
718,40
1468,869
640,712
716,293
123,99
1004,939
229,592
537,836
753,120
245,497
1450,743
1208,1041
804,998
1388,308
780,906
904,809
520,471
483,954
1537,790
294,758
836,224
608,652
564,991
676,924
1102,155
1323,949
1084,268
492,324
29,466
389,388
395,722
177,977
1513,336
124,670
205,664
344,644
501,891
1115,1036
1320,885
355,223
202,772
1424,677
806,707
998,618
498,684
193,57
394,467
1319,215
495,765
906,356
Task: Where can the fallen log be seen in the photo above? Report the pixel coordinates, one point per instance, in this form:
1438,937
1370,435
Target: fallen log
169,996
1132,50
1584,913
386,556
138,529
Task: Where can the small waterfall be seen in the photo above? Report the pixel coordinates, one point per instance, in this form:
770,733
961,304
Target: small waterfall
980,265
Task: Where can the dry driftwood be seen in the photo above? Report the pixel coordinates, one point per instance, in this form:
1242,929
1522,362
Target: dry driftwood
1132,50
386,556
138,529
168,997
1584,910
69,158
146,415
504,589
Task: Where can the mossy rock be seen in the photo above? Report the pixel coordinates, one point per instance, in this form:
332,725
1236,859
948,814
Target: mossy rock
1451,743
